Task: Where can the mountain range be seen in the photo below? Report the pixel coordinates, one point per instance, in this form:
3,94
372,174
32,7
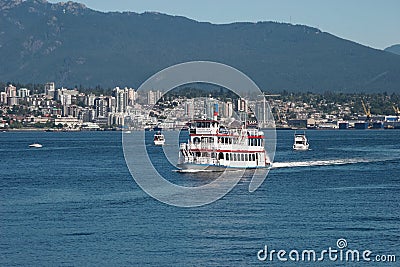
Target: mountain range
395,49
73,45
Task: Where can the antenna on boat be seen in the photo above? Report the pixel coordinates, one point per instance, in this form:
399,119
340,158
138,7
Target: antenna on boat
264,95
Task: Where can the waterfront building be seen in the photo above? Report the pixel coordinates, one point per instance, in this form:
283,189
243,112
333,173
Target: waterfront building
70,122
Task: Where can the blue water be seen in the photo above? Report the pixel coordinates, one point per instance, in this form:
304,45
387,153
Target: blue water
73,202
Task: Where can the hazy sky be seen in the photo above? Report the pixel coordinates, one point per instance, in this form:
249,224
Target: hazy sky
374,23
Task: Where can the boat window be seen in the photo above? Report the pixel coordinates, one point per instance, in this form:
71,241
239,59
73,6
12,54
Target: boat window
207,125
198,154
234,157
246,158
227,156
196,140
242,157
221,155
253,157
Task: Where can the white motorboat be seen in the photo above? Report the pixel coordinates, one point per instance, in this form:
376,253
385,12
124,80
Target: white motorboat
35,145
159,139
300,141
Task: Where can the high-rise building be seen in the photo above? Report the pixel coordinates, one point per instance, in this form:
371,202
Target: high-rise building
65,91
209,107
3,97
11,91
49,89
242,105
89,100
131,96
121,99
189,108
23,92
228,109
102,106
73,111
153,97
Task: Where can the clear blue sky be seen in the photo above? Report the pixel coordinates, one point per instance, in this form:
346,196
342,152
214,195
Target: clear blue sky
374,23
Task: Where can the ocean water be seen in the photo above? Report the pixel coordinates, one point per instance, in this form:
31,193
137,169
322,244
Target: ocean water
74,203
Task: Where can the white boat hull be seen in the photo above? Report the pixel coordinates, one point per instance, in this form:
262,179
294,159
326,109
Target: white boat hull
300,147
35,146
159,143
215,168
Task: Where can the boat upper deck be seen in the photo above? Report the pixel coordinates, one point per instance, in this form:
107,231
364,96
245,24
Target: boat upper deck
214,128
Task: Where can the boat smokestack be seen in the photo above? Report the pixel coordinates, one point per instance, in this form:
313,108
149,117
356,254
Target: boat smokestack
216,111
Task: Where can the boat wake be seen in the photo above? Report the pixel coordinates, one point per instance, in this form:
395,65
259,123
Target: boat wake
294,164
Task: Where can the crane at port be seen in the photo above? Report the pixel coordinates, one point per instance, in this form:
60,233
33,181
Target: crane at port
396,110
367,111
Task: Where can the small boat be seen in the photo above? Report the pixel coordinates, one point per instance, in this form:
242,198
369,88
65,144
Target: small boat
159,139
35,145
300,141
128,132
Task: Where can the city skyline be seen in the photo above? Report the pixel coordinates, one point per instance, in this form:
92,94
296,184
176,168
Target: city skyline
370,23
